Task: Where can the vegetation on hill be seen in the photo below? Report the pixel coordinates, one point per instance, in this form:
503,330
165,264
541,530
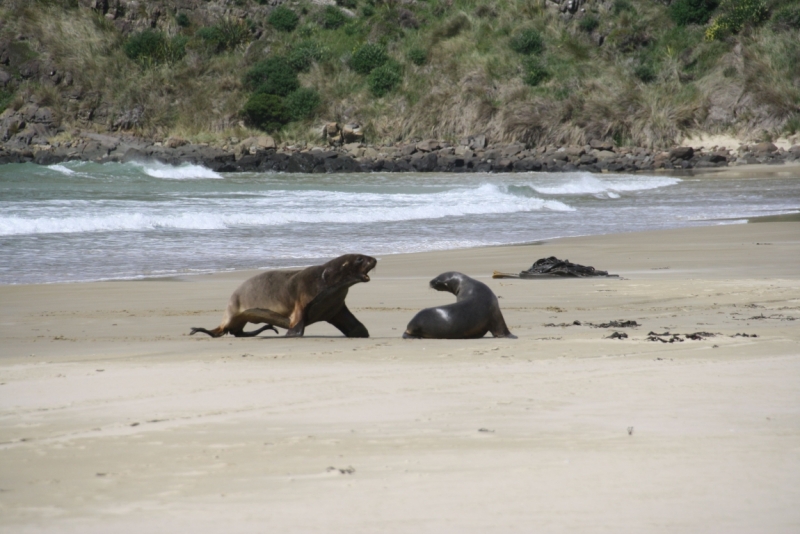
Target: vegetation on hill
636,72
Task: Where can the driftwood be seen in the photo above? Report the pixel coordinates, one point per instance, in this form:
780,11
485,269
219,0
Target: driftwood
552,267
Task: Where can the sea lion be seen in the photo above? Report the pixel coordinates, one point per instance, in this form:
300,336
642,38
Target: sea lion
475,312
295,299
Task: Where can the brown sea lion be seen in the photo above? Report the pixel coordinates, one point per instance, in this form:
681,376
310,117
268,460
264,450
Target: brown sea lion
296,299
475,312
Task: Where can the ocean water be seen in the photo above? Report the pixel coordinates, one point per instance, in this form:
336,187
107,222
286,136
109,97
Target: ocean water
83,221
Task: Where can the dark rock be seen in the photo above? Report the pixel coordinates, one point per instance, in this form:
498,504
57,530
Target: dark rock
681,152
527,165
587,159
502,165
424,162
5,78
47,157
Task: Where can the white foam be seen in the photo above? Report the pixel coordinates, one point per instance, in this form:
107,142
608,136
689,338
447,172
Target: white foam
275,208
186,171
587,184
61,169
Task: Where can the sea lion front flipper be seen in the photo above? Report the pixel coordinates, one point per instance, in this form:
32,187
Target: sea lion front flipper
347,323
498,326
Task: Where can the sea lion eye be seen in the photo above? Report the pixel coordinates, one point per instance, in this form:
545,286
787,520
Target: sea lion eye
358,260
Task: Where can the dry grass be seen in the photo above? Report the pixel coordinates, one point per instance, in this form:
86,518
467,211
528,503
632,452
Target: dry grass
471,84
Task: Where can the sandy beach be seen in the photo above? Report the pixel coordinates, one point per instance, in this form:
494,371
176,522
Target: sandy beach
115,420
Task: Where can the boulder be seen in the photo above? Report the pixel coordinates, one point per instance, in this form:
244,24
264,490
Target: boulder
764,148
464,151
175,142
429,145
266,142
681,152
512,150
352,133
603,155
575,151
477,142
332,133
597,144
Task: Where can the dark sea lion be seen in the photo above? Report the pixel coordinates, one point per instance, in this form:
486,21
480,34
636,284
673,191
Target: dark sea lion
475,312
296,299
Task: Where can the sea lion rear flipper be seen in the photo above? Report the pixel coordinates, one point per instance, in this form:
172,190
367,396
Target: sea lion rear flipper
242,333
216,332
347,323
261,315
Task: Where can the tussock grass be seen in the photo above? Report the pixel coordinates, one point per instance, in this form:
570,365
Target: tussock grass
650,83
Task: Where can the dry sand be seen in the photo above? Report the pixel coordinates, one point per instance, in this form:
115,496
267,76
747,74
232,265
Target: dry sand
115,420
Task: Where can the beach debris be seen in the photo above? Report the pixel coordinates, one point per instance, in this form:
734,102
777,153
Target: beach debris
776,316
573,323
349,470
630,430
618,335
744,335
676,338
615,324
485,430
553,267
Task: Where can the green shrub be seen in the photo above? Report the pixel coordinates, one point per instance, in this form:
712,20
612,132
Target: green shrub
349,4
453,27
589,23
787,17
5,99
533,72
735,14
182,20
645,71
527,42
417,56
302,55
302,103
226,35
622,5
272,76
385,78
284,19
150,47
685,12
265,112
368,57
368,10
332,17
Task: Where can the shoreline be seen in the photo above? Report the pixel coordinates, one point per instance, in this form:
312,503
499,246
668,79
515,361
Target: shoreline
116,420
473,154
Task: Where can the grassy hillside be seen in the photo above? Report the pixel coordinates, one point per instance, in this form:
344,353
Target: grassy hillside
636,72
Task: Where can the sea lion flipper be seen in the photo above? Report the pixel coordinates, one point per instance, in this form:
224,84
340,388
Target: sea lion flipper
347,323
242,333
261,315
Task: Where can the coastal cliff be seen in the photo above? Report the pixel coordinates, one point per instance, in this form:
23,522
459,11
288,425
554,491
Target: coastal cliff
538,73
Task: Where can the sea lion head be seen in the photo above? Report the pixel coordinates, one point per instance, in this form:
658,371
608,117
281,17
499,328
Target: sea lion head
449,281
348,269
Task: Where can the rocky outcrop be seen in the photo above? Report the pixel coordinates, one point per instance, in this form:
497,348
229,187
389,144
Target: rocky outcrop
25,141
